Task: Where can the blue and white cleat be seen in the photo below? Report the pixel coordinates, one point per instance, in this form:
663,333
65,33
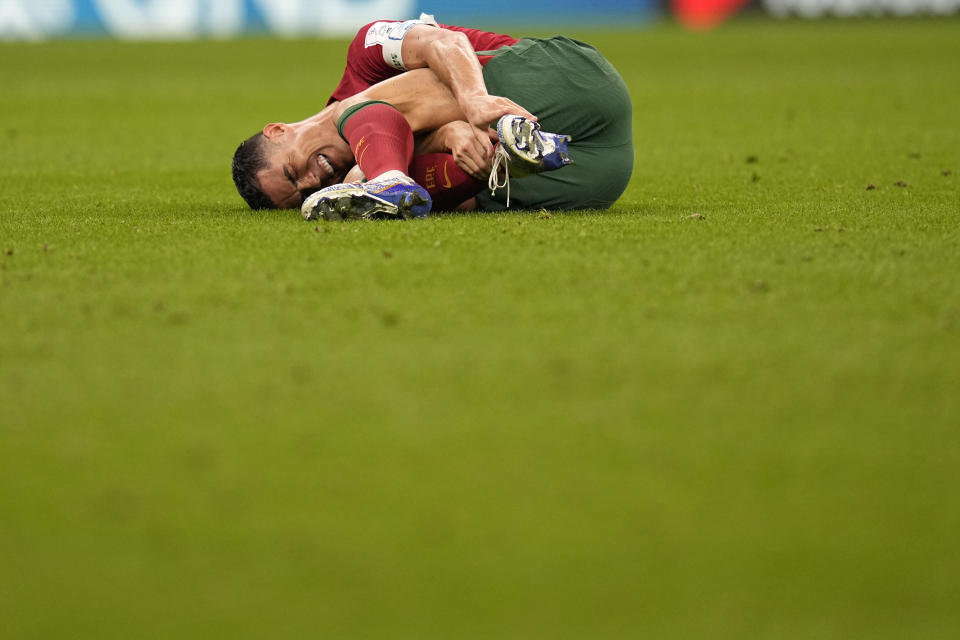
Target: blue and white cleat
391,195
347,201
410,199
530,149
525,149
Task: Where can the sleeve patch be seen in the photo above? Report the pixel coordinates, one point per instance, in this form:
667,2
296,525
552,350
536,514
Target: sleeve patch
389,35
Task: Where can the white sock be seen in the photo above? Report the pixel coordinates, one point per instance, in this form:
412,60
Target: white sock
393,174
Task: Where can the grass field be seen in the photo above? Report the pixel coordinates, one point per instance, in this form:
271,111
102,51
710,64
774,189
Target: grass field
728,407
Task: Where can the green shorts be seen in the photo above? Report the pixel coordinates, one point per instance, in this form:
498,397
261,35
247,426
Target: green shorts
573,90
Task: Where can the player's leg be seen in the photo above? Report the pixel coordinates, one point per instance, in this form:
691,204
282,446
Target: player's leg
573,90
594,181
524,148
382,143
448,185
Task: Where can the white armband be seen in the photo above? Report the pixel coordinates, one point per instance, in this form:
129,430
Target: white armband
390,35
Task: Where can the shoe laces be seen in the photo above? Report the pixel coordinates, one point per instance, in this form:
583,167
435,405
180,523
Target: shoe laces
500,159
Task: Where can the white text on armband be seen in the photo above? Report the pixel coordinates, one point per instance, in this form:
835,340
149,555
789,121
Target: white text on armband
389,35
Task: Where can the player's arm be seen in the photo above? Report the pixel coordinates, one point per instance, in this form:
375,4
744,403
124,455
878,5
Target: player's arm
470,146
428,104
425,101
450,55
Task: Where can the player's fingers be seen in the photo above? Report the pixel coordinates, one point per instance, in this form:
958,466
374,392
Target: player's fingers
513,108
520,111
484,137
476,169
475,155
466,163
480,145
484,159
473,168
492,108
482,148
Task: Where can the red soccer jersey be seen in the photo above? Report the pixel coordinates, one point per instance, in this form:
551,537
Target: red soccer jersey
375,43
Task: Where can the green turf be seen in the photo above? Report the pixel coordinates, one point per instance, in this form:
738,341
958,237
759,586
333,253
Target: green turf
728,407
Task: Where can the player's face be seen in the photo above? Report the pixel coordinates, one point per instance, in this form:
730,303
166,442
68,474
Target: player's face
296,166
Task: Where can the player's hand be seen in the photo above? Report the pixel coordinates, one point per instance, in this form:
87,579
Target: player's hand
471,147
486,110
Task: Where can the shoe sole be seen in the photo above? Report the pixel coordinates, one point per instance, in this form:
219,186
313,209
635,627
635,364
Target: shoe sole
523,141
353,207
411,201
536,149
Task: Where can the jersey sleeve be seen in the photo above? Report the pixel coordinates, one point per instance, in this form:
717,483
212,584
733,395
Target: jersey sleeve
365,64
375,52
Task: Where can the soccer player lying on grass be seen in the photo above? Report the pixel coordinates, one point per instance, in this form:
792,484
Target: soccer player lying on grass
383,49
569,84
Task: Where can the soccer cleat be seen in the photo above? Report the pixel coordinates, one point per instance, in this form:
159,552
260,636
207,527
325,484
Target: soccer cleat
529,148
347,201
525,149
410,199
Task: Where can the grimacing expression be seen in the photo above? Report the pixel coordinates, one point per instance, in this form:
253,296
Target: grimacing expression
296,167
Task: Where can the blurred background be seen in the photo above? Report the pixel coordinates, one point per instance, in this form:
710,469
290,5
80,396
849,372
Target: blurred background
149,19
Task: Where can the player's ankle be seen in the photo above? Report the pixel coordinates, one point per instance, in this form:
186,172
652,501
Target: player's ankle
393,174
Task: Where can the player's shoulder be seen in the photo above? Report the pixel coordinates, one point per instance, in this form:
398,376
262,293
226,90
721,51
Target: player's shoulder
378,31
382,31
362,32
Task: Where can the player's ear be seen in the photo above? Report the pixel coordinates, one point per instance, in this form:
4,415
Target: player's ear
275,130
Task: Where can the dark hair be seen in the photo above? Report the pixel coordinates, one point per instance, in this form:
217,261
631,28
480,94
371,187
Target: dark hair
247,161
